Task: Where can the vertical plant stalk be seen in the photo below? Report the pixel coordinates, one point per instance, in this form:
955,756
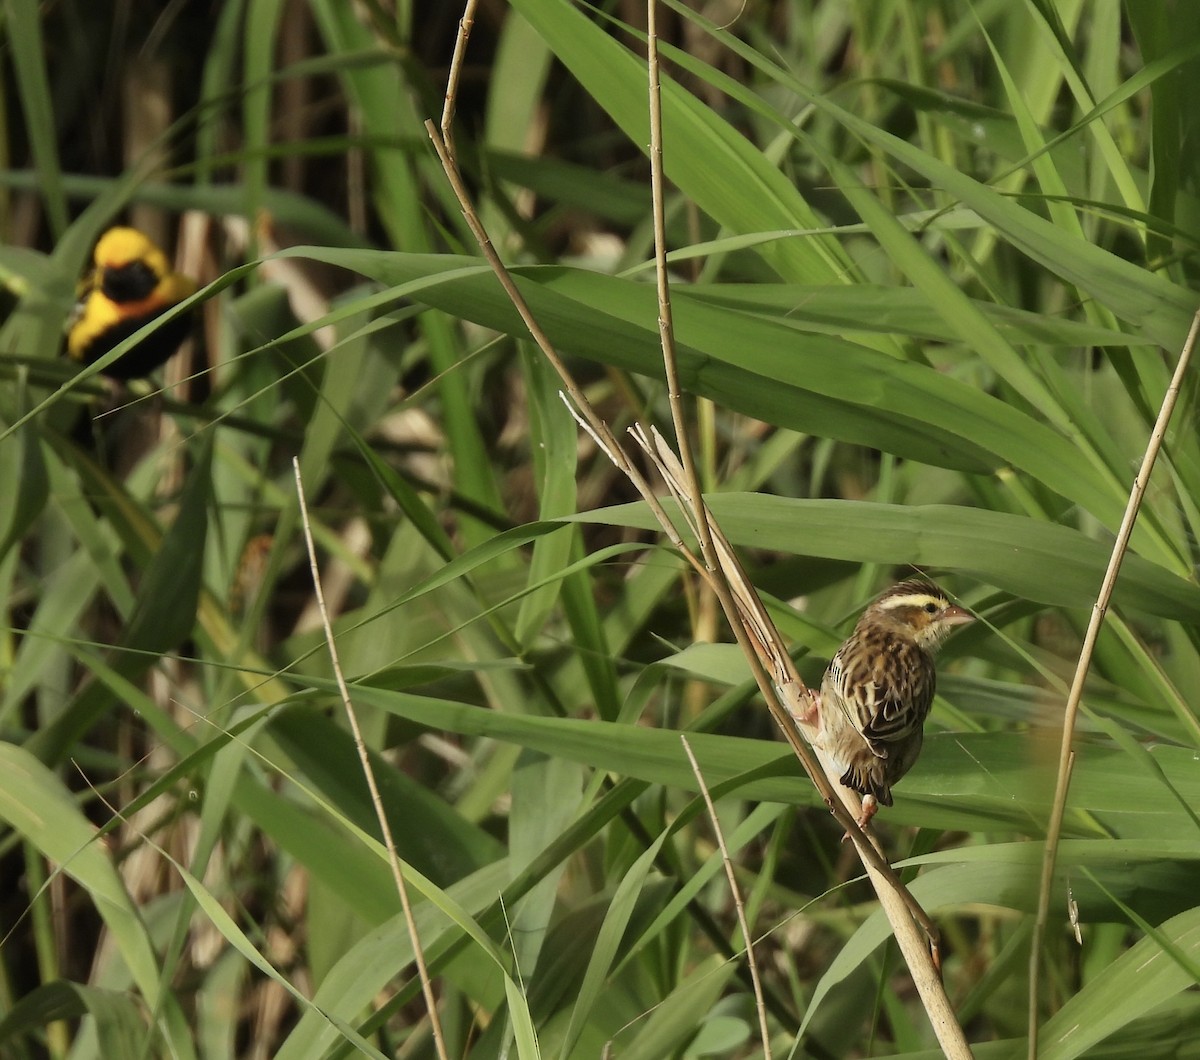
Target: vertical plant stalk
1071,712
759,1005
360,746
769,662
786,696
787,700
666,325
706,596
757,633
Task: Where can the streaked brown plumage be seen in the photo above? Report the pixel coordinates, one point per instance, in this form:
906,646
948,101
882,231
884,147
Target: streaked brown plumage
879,688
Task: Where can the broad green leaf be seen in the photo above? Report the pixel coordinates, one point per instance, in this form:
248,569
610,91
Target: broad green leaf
963,780
119,1023
892,310
1010,551
817,384
429,834
706,156
1135,984
38,807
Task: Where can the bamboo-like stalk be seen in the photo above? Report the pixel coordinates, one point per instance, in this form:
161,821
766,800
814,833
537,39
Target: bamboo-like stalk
1071,712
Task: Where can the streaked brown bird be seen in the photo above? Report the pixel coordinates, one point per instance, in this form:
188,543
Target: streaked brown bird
877,692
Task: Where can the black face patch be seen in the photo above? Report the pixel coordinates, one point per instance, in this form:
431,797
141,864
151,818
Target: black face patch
129,283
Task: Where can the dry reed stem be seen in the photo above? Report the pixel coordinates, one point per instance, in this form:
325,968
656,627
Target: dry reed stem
369,773
770,664
1071,712
787,699
759,1005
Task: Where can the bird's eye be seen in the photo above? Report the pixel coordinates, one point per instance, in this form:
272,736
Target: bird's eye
931,608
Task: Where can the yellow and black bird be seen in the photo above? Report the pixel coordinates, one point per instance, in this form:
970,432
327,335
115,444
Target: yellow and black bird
130,283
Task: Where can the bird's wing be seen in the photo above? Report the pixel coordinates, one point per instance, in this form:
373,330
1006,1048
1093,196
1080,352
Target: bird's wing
897,715
885,703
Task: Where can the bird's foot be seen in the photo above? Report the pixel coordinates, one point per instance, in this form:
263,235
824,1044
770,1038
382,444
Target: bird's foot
810,712
870,806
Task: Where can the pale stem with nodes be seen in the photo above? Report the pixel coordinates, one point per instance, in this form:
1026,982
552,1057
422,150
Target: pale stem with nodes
774,672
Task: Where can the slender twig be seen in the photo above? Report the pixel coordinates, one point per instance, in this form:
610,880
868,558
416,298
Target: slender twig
597,427
757,633
726,577
738,904
666,326
1099,609
770,664
728,580
364,758
455,75
443,144
787,699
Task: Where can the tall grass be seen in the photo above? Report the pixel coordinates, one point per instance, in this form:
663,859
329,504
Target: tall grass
933,265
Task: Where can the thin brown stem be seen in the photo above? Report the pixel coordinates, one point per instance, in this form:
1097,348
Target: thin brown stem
666,327
738,904
786,698
454,76
766,654
596,426
368,771
1099,609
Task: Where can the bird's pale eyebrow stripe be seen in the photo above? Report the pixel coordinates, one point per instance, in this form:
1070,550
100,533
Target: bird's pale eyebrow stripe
909,600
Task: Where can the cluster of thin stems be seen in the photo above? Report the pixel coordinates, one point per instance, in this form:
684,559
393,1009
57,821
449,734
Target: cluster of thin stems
714,561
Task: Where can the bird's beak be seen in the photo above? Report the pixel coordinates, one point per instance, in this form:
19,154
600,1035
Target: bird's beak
956,616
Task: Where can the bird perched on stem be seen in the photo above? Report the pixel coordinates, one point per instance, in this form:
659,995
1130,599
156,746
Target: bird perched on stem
130,283
877,692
